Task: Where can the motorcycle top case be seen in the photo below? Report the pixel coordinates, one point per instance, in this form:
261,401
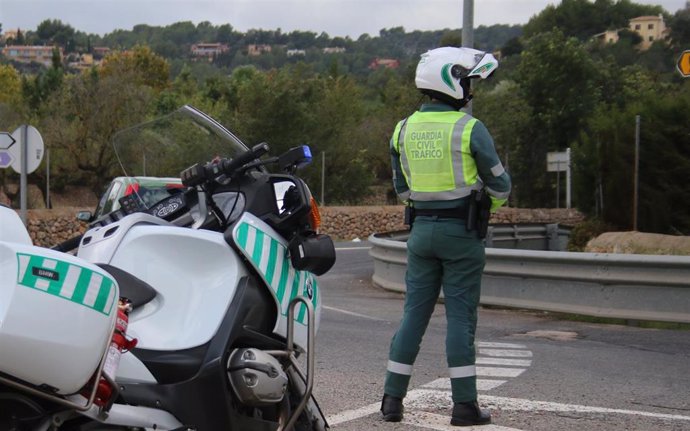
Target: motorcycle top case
57,315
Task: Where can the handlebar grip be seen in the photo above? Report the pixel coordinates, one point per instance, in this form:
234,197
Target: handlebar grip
229,166
193,175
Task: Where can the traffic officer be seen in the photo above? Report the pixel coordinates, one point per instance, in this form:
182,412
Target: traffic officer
441,159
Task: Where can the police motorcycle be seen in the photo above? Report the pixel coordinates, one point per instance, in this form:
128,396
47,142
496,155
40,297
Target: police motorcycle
195,313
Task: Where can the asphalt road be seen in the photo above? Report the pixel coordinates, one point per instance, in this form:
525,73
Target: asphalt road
534,372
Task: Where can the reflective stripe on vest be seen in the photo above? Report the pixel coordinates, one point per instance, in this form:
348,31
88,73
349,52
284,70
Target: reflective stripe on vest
435,169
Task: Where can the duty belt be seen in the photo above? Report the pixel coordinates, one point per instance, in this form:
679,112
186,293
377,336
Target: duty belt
460,213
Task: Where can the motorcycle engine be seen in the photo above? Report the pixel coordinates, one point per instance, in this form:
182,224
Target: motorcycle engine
256,377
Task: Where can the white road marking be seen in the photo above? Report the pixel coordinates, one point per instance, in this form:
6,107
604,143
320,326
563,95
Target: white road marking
416,399
506,353
501,345
442,423
505,403
482,384
499,371
352,313
501,361
350,415
437,393
425,398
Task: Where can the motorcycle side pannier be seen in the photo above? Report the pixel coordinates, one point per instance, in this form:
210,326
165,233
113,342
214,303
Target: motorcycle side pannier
57,315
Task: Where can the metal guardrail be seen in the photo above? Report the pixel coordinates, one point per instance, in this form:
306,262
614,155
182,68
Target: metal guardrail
552,236
625,286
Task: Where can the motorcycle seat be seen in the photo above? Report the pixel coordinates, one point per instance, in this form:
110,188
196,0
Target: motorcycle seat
137,291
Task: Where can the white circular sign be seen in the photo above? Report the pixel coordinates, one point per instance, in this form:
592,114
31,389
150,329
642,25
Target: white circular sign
34,146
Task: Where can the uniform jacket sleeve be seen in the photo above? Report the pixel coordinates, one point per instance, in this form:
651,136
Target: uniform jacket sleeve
399,182
495,178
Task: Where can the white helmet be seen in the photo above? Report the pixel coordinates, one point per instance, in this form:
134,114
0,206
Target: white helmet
447,71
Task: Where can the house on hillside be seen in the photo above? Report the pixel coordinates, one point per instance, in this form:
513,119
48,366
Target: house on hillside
256,50
11,34
208,51
294,52
333,50
609,36
650,29
81,61
390,63
100,52
28,54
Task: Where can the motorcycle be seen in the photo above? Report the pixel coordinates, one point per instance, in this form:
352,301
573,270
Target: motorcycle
194,313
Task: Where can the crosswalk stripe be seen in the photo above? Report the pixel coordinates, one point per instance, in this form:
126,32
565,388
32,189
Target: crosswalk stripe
418,400
438,422
499,372
506,353
503,361
501,345
482,384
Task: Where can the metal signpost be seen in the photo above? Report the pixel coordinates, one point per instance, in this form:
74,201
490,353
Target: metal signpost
23,151
558,162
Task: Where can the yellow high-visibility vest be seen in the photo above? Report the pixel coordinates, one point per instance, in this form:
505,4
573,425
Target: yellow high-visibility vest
435,155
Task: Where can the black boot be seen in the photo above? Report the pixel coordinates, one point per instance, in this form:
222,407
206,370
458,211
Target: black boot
391,408
467,414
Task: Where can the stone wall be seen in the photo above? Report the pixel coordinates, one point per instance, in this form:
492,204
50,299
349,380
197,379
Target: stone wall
51,227
347,223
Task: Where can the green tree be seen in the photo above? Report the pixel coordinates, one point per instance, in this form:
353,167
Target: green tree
451,38
79,120
10,85
295,106
56,32
557,78
680,29
37,89
511,133
140,64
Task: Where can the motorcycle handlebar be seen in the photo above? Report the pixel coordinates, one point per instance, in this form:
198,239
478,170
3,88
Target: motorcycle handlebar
228,166
197,174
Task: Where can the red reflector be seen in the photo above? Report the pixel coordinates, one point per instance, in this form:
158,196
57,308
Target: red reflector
131,189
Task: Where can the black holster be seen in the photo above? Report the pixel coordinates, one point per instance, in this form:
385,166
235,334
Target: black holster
479,212
409,216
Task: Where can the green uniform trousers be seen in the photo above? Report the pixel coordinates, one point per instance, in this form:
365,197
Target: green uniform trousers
440,252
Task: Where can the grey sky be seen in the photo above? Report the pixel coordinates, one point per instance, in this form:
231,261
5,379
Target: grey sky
335,17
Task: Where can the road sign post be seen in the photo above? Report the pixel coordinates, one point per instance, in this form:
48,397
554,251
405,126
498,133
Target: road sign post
683,64
558,162
23,151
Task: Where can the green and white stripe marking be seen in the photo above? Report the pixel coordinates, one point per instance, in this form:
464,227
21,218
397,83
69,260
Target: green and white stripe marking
270,257
68,281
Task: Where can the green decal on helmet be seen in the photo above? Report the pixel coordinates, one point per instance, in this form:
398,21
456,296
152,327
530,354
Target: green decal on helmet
445,76
485,68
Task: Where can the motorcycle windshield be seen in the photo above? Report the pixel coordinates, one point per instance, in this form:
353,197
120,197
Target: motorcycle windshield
160,149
